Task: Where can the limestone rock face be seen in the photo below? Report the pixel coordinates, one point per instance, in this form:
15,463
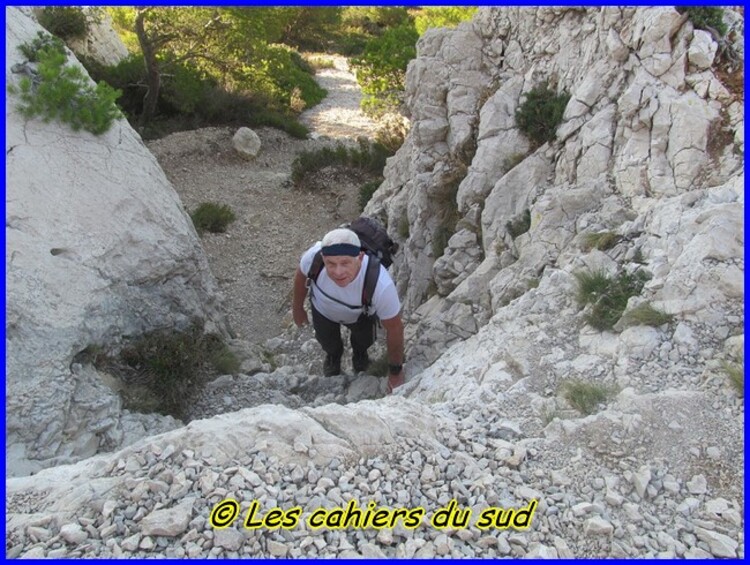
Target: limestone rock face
99,248
101,42
643,126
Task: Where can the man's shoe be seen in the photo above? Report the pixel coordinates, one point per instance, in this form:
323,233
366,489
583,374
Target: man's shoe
360,361
332,365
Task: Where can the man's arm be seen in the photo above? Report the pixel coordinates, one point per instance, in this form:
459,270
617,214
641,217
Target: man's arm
394,341
298,298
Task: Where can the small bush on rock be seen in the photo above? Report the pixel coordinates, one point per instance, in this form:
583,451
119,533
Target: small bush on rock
163,369
366,191
540,113
520,225
381,69
736,374
704,17
607,296
367,157
224,360
585,397
58,91
212,217
42,42
64,21
601,241
318,63
442,16
391,134
278,120
646,315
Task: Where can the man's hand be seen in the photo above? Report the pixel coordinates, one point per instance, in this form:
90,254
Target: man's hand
300,317
395,381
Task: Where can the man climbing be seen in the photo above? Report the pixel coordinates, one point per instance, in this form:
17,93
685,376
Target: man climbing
338,296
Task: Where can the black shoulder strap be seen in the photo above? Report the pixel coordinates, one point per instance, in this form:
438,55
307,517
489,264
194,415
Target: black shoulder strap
316,266
371,280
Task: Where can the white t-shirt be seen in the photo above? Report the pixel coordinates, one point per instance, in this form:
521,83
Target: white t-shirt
385,303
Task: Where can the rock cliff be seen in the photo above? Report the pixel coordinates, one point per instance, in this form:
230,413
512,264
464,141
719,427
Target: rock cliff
650,131
98,248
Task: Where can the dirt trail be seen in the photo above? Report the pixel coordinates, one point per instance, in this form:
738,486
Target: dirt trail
338,115
254,262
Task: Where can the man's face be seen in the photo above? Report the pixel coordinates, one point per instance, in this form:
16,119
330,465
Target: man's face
342,269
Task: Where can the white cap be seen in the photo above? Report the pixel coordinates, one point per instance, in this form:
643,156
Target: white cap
341,241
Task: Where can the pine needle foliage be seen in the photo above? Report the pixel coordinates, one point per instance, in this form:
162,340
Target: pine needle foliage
57,91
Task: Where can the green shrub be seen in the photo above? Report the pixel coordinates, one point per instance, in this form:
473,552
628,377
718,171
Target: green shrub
184,89
704,17
736,374
166,368
240,69
601,241
608,296
520,225
367,157
224,360
381,69
585,397
212,217
63,21
366,191
646,315
42,42
540,113
443,16
279,121
391,134
373,20
311,28
63,92
591,285
277,73
317,63
188,97
128,77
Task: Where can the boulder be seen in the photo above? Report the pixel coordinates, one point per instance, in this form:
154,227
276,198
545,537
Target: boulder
98,248
246,142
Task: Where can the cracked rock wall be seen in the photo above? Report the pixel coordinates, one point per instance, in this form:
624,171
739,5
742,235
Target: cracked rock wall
98,248
649,119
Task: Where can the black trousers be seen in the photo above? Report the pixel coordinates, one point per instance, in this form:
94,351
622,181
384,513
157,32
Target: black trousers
328,333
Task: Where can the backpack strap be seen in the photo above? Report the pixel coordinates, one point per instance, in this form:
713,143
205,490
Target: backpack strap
315,267
371,280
